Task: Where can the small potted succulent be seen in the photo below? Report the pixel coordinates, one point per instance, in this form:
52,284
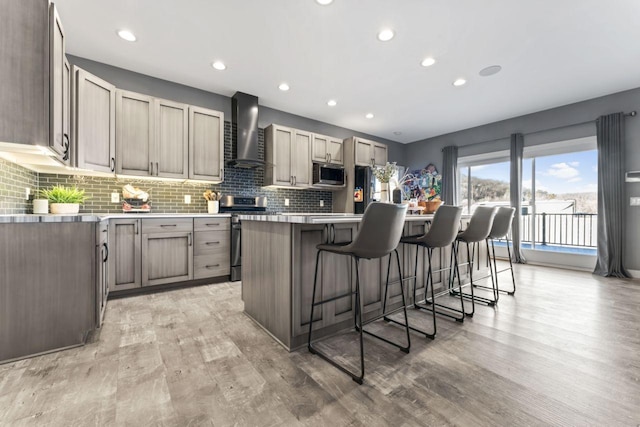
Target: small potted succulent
64,200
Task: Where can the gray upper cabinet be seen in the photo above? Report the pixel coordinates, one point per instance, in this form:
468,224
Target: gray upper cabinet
327,149
369,153
94,112
125,254
206,144
170,152
32,87
289,153
134,134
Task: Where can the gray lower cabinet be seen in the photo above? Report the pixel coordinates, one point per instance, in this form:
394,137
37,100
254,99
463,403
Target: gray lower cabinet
125,254
47,301
167,250
94,106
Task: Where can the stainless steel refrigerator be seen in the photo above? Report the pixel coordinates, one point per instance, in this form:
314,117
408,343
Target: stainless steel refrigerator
364,189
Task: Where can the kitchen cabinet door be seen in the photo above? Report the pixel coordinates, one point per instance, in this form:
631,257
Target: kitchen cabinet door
278,148
206,144
170,152
125,258
102,258
167,258
335,151
58,140
319,148
134,134
301,159
67,155
379,154
94,123
363,152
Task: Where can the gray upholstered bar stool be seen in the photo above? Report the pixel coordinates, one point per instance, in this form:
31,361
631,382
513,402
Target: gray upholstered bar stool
478,230
441,234
379,236
500,230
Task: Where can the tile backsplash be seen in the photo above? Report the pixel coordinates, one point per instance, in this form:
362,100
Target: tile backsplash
14,180
166,197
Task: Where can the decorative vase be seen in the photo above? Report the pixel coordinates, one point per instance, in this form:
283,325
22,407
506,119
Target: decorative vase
40,206
397,196
432,206
65,208
213,206
384,192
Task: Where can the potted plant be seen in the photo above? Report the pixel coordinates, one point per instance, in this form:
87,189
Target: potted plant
64,200
384,175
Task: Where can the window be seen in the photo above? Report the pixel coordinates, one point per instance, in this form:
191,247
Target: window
484,180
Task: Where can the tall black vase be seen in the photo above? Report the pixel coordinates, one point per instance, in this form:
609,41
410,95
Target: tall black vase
397,196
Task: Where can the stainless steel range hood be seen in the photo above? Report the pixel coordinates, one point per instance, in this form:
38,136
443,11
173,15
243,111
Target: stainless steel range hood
244,116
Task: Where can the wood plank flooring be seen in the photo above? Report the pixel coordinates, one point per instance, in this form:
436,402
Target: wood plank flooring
565,350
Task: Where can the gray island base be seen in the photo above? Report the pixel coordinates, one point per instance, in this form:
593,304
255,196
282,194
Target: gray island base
278,264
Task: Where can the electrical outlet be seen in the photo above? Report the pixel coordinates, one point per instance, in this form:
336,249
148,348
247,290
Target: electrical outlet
187,199
322,203
286,202
27,193
635,201
115,197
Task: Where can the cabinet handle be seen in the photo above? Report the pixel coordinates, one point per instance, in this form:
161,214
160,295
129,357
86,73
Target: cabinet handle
65,157
135,227
157,168
212,243
212,266
168,225
295,180
189,238
291,179
112,162
106,252
213,225
151,168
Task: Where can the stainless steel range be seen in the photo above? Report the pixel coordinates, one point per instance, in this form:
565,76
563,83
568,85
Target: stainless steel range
237,205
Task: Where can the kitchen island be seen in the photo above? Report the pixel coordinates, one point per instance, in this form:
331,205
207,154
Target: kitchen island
278,264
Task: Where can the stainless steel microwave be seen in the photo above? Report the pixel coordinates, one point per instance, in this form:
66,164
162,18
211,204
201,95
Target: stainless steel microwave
327,175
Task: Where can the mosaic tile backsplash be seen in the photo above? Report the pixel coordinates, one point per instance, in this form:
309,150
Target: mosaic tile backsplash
166,197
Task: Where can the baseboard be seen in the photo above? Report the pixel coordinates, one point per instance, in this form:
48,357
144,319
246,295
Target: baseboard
634,273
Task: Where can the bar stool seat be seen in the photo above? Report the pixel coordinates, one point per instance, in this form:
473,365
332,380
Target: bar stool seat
379,236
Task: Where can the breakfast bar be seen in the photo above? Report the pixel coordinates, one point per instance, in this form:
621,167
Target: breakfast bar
278,265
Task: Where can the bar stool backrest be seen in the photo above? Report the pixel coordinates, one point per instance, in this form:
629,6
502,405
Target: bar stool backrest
502,222
479,225
380,230
444,227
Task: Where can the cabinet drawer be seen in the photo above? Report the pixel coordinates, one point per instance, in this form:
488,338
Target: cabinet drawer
168,225
211,224
211,242
212,265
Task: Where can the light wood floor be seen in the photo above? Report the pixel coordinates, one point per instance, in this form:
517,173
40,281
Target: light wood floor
564,351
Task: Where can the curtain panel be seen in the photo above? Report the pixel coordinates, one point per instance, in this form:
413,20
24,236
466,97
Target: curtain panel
611,197
515,190
450,175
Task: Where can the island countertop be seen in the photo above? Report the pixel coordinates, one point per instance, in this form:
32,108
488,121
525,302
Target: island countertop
323,218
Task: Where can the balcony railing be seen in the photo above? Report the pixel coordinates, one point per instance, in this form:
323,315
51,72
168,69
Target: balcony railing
575,229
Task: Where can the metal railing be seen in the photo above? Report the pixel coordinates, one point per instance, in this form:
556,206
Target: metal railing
575,229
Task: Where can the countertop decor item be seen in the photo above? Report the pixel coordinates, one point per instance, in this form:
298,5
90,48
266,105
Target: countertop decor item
426,186
213,201
135,200
64,200
384,175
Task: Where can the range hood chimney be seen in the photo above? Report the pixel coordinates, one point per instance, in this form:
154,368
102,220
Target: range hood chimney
244,115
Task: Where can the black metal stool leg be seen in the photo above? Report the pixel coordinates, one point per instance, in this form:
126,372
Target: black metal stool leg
513,277
313,302
497,289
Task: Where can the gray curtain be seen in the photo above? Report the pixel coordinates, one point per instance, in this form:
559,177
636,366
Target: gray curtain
611,198
450,175
515,190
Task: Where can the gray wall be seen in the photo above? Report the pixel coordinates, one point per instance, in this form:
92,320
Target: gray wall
129,80
534,127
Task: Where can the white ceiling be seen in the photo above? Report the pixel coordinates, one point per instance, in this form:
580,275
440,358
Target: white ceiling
552,53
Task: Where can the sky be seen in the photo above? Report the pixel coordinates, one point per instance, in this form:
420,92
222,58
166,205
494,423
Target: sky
559,174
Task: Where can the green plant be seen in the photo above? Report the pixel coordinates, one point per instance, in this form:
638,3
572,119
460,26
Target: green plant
60,194
384,173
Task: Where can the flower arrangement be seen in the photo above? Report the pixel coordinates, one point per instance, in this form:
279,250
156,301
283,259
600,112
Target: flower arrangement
403,184
384,173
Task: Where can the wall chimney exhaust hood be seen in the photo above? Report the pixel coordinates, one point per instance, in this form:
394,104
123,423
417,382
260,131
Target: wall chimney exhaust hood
244,115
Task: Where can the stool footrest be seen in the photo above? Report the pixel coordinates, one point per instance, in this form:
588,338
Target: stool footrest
442,313
488,301
333,298
427,334
356,378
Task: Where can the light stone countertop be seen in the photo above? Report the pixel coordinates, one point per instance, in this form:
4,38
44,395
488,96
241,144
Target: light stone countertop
315,218
51,218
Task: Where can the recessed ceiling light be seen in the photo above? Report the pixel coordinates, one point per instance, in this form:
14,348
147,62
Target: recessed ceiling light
490,71
284,87
459,82
219,65
385,35
127,35
369,116
332,103
428,62
324,2
397,133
